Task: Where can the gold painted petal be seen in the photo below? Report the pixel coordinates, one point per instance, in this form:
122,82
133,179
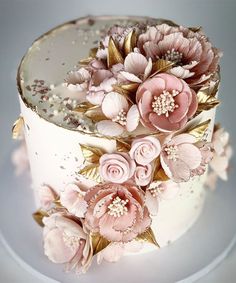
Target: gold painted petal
199,130
39,215
98,243
86,61
206,97
159,173
114,55
148,236
130,42
17,128
93,52
84,106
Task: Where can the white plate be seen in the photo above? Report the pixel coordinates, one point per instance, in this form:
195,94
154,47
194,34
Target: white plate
186,260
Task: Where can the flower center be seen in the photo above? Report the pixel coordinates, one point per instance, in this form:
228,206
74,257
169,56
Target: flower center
165,103
118,207
71,242
173,56
120,118
172,152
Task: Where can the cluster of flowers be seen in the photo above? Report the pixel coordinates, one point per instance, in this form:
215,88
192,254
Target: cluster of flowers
149,76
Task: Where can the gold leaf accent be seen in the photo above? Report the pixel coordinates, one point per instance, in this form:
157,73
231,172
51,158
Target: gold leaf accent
114,55
195,29
161,65
84,106
98,243
95,114
122,146
130,42
159,174
199,130
17,128
130,87
86,61
39,215
124,92
148,236
206,98
91,172
90,153
93,52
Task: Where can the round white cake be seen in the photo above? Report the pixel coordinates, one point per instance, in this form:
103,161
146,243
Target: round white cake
55,131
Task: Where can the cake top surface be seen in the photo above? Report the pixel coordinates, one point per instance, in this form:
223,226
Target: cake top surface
92,75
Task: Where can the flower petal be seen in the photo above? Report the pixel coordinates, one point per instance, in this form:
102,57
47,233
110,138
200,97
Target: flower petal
130,77
135,63
132,119
109,128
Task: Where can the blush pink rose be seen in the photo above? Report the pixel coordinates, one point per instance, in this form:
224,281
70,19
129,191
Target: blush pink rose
145,150
117,212
66,242
179,156
20,159
72,198
116,167
165,103
143,175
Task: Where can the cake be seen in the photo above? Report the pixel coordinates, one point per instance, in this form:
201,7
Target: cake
118,126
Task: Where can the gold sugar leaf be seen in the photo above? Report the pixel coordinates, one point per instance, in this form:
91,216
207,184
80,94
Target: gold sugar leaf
91,172
195,29
198,131
148,236
86,61
122,91
91,154
206,98
17,128
95,114
130,87
93,52
159,174
122,146
130,42
161,65
114,55
39,215
84,106
98,243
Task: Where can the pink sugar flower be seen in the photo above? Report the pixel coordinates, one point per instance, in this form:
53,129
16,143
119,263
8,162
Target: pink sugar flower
72,198
116,167
145,150
222,153
194,58
66,242
165,103
46,196
158,191
20,159
116,211
143,175
121,115
179,156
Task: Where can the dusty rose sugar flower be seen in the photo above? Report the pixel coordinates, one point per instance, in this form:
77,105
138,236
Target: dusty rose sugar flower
194,57
116,167
143,175
46,196
180,156
165,103
66,242
117,212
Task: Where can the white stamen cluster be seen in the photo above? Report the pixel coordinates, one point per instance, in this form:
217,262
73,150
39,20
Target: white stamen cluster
173,56
172,152
120,118
118,207
165,103
71,242
154,191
